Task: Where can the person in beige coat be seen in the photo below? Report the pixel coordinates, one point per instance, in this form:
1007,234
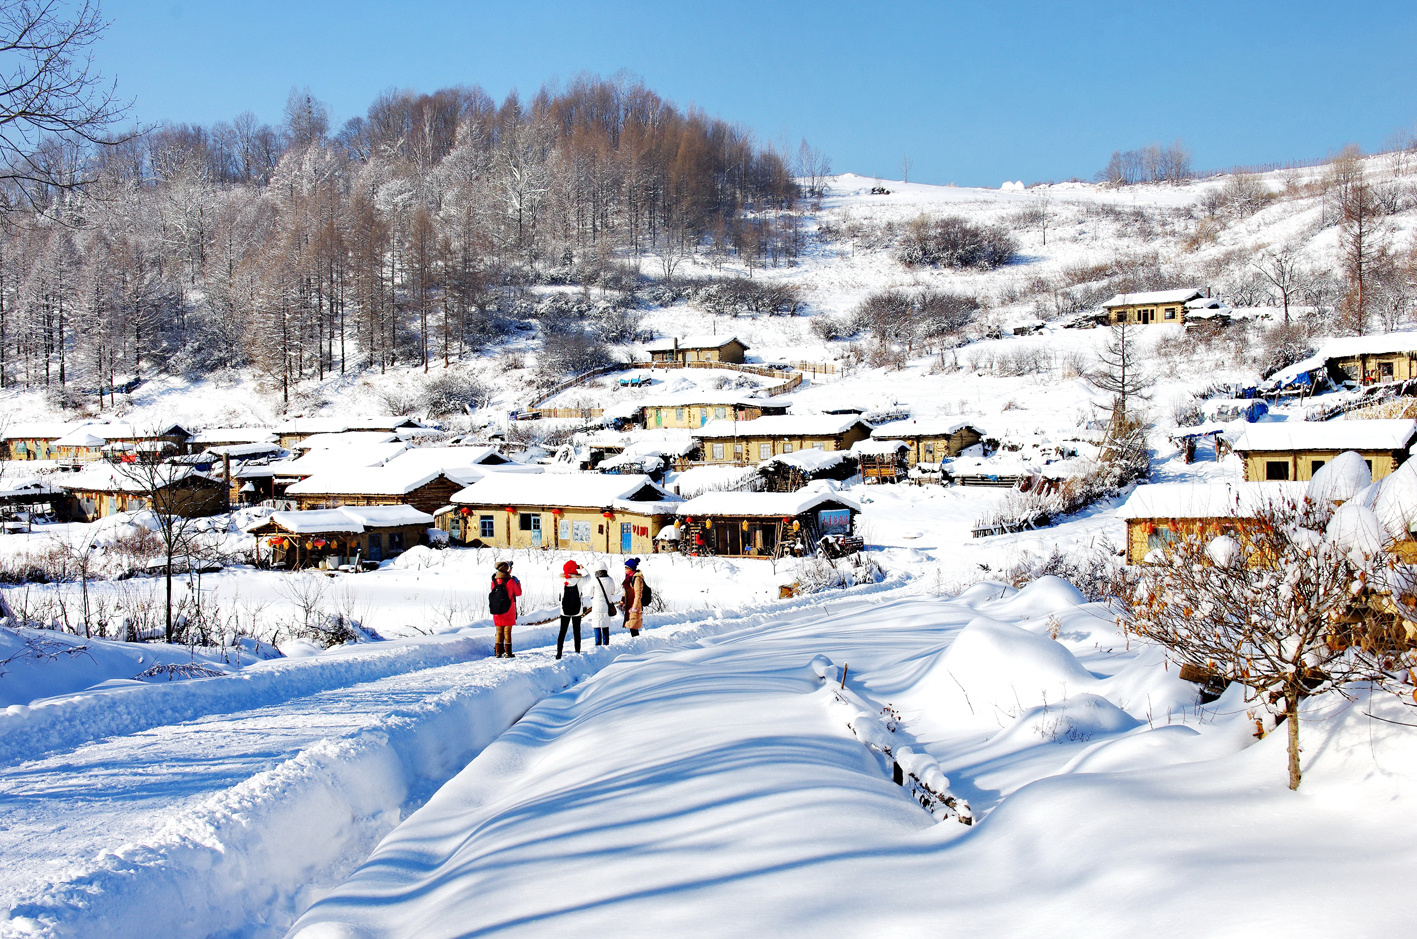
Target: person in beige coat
633,602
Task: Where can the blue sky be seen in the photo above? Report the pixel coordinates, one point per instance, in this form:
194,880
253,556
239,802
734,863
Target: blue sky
973,93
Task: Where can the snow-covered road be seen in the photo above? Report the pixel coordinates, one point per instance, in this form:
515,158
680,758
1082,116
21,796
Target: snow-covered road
231,803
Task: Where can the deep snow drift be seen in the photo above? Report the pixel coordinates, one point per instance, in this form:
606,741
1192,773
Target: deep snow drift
715,791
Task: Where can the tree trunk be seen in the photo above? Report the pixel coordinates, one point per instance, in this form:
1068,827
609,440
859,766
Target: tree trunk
1291,712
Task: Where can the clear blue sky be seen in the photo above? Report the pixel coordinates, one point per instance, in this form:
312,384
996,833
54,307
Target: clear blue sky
975,93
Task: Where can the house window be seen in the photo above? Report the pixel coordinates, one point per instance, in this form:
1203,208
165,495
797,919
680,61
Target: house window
1160,538
1170,312
764,451
737,451
1385,370
395,542
819,446
787,448
1370,466
1120,317
530,521
580,531
930,452
678,414
486,527
1276,469
720,413
1315,465
718,451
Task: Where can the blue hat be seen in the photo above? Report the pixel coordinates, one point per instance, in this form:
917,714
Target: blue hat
633,564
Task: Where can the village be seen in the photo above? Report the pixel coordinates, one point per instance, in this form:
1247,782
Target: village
321,571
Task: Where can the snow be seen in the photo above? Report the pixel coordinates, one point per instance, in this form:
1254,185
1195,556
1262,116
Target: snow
581,490
1328,435
781,425
916,427
1340,478
373,480
1211,500
764,504
1154,296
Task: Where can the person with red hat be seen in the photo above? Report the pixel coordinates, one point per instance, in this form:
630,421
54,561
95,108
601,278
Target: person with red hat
575,603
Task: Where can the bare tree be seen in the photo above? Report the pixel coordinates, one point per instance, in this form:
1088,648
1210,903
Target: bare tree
1269,607
1284,271
49,86
1363,250
1120,372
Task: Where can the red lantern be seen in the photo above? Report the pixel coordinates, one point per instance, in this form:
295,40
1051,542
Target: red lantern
511,510
466,511
556,512
607,514
688,520
786,520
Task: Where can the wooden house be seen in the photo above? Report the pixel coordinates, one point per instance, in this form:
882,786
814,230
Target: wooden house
103,489
697,410
883,461
1156,306
728,349
232,437
34,440
616,514
1372,359
297,429
425,490
764,524
1158,515
1293,450
285,473
930,440
344,537
793,471
745,442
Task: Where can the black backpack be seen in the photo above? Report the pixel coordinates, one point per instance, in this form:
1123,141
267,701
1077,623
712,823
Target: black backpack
646,594
499,600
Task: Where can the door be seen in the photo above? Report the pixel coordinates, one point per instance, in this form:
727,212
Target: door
536,530
627,534
703,416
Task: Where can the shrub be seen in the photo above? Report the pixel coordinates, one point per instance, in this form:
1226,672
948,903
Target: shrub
954,242
451,392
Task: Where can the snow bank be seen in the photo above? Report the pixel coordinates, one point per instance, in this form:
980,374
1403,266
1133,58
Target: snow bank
995,672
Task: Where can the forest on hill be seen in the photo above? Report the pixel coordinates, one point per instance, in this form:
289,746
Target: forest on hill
405,238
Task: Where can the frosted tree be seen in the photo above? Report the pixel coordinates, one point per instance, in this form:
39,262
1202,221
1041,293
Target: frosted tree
1277,606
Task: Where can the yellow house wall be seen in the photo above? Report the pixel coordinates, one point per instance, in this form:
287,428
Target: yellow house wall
694,416
35,448
1132,313
949,446
507,533
751,446
1138,544
1301,463
1357,367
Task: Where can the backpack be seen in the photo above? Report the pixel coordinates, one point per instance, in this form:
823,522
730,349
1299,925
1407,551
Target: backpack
646,594
499,600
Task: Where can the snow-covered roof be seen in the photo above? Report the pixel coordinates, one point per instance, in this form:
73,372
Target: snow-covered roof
810,460
708,398
384,480
339,458
1328,435
346,438
39,430
671,442
1210,500
1203,303
454,458
81,437
921,427
346,519
234,435
129,477
693,342
783,425
1154,296
1348,346
580,490
237,450
763,504
878,447
335,425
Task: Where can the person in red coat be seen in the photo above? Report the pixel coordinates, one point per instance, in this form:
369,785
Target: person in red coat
505,621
